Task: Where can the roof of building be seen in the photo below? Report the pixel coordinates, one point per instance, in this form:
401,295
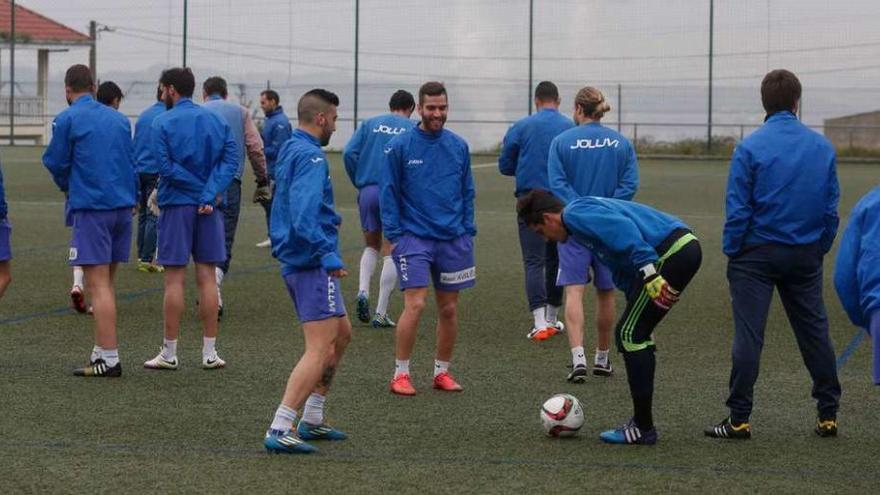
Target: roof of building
33,28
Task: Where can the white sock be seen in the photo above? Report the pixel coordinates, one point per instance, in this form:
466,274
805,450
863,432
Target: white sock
284,419
218,276
208,350
401,367
368,264
110,356
169,349
602,357
540,321
78,277
552,314
440,367
387,283
96,353
313,411
578,358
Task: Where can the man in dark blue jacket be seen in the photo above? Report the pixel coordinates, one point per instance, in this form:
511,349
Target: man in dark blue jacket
427,206
148,171
781,208
90,158
197,158
305,240
276,131
524,155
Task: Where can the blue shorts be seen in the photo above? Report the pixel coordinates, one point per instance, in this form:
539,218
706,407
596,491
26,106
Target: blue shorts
575,262
368,205
100,237
183,232
450,264
316,295
5,240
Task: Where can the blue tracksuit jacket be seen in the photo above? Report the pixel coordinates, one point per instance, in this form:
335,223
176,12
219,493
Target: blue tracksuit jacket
592,160
145,161
782,188
91,157
365,152
426,187
196,153
621,233
304,222
857,273
526,146
4,208
276,131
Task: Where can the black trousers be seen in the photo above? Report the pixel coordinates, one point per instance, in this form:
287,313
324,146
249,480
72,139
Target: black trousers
680,258
796,273
541,263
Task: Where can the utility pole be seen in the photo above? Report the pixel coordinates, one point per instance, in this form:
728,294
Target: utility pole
531,52
357,32
93,50
185,11
12,80
711,47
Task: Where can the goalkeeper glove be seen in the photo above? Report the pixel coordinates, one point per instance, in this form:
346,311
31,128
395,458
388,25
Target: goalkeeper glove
263,194
658,289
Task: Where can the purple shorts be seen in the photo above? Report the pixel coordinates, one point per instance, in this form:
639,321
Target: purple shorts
5,240
316,295
183,232
100,237
575,261
450,264
368,204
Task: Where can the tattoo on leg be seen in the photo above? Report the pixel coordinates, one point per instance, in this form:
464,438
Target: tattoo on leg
327,376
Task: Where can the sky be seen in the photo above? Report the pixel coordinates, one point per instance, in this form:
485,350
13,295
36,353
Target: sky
657,51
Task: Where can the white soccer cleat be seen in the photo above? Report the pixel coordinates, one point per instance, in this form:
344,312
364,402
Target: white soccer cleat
160,363
212,363
265,244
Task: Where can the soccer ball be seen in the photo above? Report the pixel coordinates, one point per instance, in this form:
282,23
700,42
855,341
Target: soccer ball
562,415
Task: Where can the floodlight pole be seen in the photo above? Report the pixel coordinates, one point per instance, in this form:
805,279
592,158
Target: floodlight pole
185,12
531,52
93,49
711,47
357,26
12,80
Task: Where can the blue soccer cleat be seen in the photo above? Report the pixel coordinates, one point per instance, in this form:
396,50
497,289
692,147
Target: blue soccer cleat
630,434
279,442
308,431
363,307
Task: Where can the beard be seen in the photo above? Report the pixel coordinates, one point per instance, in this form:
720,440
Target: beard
169,104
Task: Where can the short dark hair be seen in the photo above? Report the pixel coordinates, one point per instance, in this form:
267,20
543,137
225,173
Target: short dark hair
314,102
79,78
109,91
181,78
271,95
546,91
531,208
215,85
401,100
158,93
431,88
780,91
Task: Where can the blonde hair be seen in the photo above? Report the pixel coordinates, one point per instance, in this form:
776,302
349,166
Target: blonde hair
592,102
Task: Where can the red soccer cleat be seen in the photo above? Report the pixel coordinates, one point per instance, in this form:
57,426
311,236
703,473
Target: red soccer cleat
542,334
444,381
78,300
401,385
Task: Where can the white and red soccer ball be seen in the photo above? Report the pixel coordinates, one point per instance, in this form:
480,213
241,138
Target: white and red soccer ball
562,415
